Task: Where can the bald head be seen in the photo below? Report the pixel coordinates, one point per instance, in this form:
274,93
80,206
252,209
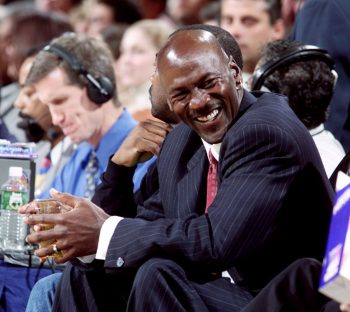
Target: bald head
187,42
201,83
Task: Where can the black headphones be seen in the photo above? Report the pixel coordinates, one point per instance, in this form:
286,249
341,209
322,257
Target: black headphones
99,90
35,133
292,55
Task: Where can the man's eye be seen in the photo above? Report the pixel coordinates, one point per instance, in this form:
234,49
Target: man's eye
179,99
58,101
249,21
210,83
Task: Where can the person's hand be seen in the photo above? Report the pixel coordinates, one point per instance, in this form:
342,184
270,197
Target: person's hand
142,143
76,231
345,307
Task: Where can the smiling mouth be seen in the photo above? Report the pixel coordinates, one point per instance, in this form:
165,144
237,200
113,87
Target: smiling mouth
209,117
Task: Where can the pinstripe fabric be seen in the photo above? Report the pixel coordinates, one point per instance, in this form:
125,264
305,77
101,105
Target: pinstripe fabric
171,290
272,207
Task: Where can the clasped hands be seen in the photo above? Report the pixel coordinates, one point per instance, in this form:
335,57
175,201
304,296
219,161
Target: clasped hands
76,229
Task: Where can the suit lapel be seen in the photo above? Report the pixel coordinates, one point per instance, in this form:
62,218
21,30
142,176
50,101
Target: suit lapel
191,188
247,101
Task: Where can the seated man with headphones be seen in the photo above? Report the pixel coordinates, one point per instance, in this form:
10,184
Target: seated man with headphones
74,76
306,75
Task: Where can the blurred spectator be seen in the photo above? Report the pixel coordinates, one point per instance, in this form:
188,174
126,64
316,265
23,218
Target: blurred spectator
5,2
9,87
151,9
26,29
154,9
79,16
325,23
30,30
5,28
186,12
63,6
308,82
290,9
210,14
135,66
103,13
253,23
6,15
113,35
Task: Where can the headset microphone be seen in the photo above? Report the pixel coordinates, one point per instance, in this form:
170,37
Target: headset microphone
53,133
34,132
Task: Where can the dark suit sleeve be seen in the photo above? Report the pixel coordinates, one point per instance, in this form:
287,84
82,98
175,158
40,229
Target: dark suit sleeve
257,169
115,193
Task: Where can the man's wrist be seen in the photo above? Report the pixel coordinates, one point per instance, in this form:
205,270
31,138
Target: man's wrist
124,161
106,234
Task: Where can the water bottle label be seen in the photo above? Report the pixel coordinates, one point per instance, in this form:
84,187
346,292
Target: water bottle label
13,200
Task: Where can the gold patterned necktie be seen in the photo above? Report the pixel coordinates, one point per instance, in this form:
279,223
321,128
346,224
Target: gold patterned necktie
91,175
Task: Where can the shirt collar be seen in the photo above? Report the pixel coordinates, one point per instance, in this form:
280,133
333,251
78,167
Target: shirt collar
214,148
317,130
116,134
63,147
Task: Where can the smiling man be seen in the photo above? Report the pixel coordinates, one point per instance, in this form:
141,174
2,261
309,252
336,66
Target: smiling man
187,249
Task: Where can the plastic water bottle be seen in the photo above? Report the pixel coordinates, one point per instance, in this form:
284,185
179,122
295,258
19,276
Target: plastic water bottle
14,193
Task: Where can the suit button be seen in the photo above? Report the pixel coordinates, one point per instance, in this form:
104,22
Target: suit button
120,262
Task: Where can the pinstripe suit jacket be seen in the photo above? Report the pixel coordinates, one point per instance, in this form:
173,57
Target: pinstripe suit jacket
272,207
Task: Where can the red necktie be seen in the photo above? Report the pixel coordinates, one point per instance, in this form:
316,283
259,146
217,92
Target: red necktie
212,180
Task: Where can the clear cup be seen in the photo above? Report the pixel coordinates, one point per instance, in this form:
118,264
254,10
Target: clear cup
46,206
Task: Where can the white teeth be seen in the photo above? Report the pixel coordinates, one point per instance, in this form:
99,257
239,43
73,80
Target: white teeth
209,117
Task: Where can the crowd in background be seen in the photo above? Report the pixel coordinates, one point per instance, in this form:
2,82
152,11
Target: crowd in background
134,31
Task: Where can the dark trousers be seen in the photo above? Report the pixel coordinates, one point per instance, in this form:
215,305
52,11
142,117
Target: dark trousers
295,289
159,285
163,285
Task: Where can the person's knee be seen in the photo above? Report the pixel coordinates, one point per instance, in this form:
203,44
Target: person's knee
152,270
43,292
306,263
47,284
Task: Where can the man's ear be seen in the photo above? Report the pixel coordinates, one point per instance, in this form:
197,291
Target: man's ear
233,67
236,73
169,105
279,29
86,102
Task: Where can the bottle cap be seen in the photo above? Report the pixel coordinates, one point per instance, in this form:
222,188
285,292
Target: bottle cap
15,171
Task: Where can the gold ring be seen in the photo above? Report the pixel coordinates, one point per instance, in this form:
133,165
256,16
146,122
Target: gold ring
54,248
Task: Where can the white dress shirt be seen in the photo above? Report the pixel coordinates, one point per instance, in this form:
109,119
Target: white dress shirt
330,149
